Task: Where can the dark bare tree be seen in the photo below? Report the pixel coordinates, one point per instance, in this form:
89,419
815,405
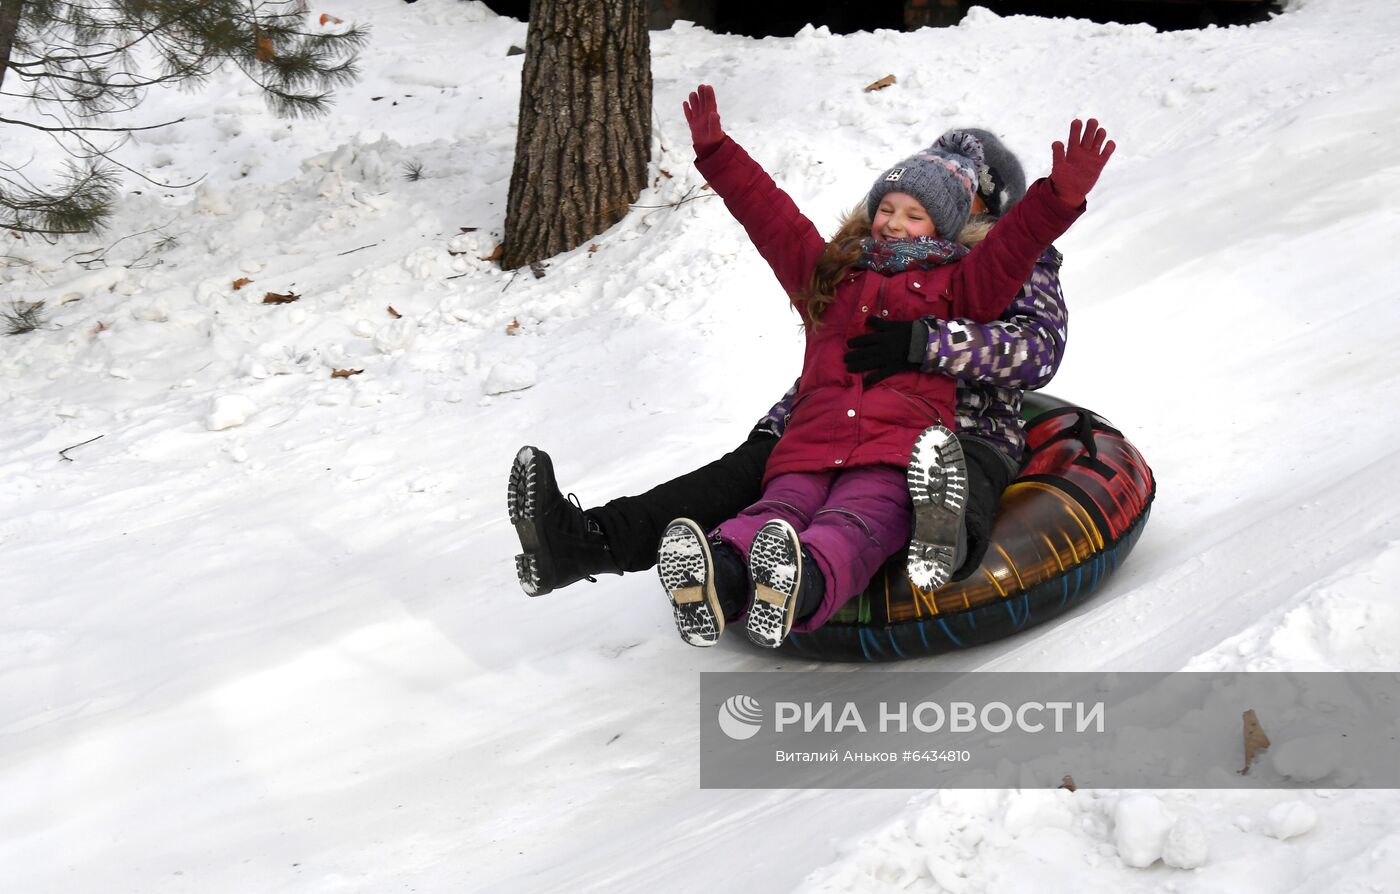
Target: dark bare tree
80,68
584,142
9,25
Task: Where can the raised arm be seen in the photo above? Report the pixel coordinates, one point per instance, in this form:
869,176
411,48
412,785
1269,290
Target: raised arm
785,238
990,277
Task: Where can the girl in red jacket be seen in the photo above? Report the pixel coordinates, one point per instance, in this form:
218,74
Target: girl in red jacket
836,500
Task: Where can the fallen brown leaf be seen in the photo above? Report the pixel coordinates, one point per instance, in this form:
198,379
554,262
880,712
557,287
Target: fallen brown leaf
345,373
1255,740
395,314
881,84
240,282
513,327
1068,783
496,253
327,17
274,298
592,248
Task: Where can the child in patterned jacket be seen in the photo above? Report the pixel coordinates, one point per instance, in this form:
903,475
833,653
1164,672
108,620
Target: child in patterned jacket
836,501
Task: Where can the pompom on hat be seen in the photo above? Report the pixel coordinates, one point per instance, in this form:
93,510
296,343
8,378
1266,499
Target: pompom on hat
944,177
1001,182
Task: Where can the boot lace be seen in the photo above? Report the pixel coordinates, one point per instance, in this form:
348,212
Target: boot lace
579,506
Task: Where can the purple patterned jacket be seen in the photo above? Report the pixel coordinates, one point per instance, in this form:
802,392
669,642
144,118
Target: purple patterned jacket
993,363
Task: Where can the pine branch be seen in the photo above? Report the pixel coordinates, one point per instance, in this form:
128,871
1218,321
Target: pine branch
107,82
97,257
84,63
23,316
116,50
79,206
95,152
75,129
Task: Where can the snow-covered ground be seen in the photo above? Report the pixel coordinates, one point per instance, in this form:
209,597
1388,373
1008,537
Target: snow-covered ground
265,633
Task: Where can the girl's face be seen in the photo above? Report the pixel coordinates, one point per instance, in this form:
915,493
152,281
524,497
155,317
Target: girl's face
900,216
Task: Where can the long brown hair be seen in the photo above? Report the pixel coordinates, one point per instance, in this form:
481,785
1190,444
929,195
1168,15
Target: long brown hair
844,250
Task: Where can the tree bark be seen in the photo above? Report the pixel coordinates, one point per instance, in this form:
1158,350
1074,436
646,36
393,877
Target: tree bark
584,141
10,11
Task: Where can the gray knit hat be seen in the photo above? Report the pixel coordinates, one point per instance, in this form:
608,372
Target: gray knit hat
1002,181
942,178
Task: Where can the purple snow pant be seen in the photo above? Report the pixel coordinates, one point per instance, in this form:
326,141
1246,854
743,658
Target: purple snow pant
851,521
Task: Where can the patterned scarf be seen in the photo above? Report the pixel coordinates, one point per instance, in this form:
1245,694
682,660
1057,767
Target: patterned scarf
899,255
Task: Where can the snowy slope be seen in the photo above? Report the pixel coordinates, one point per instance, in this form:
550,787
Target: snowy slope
265,633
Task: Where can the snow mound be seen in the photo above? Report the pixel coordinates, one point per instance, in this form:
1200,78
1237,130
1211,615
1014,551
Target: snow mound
228,411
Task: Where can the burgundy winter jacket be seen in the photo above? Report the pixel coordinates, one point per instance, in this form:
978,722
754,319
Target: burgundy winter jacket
836,422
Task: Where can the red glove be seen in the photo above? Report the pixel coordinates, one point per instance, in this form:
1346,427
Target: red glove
703,117
1075,170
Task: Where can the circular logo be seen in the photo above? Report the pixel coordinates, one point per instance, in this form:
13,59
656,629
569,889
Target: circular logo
740,717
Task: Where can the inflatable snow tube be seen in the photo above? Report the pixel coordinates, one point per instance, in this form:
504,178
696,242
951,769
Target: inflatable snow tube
1066,523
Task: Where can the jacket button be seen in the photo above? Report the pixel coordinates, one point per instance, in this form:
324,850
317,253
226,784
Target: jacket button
850,412
838,462
884,313
918,285
864,309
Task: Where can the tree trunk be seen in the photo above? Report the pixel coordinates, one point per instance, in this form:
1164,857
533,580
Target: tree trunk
10,12
584,141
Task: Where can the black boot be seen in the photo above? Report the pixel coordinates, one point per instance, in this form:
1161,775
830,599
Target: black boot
561,544
813,589
732,583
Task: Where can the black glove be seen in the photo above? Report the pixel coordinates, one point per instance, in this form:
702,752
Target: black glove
891,347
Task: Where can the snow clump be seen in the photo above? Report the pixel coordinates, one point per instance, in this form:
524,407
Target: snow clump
228,411
1186,846
1291,819
511,375
1140,825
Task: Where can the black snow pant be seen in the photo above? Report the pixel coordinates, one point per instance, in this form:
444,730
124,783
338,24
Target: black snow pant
709,495
724,488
